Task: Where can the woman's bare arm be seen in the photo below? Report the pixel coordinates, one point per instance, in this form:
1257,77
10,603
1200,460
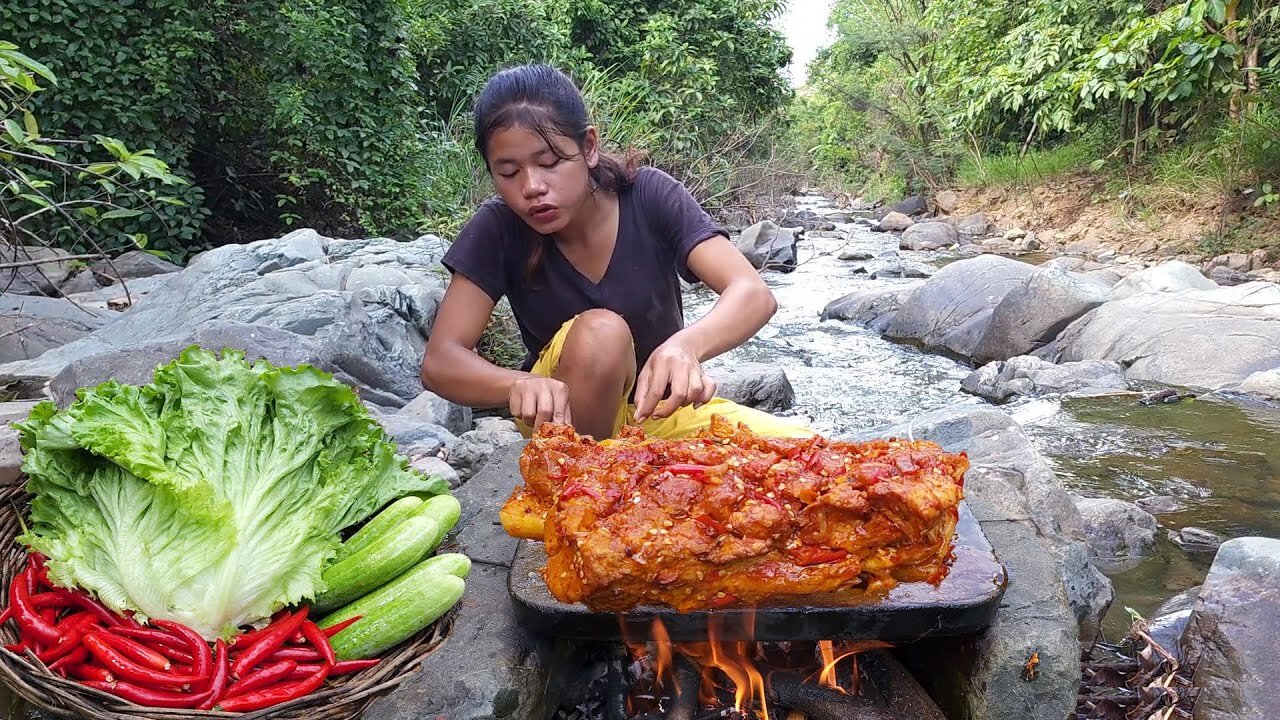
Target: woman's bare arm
745,304
451,367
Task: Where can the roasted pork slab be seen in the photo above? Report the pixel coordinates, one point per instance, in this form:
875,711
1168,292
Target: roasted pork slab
730,517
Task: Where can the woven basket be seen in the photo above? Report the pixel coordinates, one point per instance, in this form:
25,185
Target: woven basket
342,698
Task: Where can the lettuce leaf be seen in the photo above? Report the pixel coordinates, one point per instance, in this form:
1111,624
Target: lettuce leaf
212,496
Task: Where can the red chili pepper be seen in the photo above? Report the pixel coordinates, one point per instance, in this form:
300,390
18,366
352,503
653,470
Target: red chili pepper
768,500
807,555
137,652
6,615
29,621
578,490
274,695
296,654
262,677
49,615
201,659
320,641
77,656
218,683
18,648
61,597
85,671
70,640
689,469
302,672
145,695
124,668
269,643
74,618
335,629
712,523
157,638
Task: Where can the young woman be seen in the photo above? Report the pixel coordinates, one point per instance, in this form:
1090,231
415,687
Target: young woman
587,248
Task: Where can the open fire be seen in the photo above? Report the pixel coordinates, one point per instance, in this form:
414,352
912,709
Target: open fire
730,675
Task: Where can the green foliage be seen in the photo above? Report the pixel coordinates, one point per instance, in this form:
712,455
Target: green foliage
1033,167
45,195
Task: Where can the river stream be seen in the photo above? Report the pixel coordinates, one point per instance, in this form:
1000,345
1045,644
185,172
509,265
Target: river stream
1218,457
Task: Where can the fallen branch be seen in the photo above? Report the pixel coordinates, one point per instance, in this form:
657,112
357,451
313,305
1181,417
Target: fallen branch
49,261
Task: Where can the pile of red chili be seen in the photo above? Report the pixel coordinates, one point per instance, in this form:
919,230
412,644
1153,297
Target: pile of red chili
169,665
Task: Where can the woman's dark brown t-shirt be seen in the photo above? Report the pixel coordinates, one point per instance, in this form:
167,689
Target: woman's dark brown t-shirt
659,223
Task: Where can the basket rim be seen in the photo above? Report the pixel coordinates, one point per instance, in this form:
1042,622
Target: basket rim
342,698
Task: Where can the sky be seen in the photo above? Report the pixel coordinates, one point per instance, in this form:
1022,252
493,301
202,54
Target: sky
805,25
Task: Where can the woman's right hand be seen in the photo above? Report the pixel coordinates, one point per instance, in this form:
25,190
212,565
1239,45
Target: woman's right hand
535,399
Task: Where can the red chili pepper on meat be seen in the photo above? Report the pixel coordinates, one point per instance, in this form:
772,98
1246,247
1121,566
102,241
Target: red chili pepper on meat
269,643
202,661
29,621
576,490
689,469
712,523
262,677
335,629
85,671
221,670
807,555
122,667
146,696
275,695
77,656
725,601
303,672
321,642
137,652
768,501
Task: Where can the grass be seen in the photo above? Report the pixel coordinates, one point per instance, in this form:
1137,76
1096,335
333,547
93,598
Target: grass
1033,167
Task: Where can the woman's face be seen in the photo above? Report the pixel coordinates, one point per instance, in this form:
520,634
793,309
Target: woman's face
546,190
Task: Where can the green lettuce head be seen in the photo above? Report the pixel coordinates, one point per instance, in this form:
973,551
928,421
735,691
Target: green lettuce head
212,496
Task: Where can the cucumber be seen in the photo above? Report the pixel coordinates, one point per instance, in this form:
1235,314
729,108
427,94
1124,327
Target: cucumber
445,510
396,611
382,523
379,563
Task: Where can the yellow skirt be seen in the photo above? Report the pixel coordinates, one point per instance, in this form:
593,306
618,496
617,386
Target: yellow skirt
684,421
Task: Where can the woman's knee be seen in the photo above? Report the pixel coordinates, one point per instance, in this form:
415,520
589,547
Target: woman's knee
600,339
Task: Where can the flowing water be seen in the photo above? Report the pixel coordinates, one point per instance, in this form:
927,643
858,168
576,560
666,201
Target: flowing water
1219,458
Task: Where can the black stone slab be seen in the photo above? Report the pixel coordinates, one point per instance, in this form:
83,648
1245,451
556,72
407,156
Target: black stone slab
963,603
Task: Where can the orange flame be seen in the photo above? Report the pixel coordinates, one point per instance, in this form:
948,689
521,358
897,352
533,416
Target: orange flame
662,641
733,658
830,661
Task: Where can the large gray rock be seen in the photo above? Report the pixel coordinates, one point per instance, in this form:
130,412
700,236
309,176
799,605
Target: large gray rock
928,236
1024,486
429,408
1210,339
1169,276
120,296
1119,534
1169,621
369,303
473,449
1231,636
10,448
41,278
914,205
1264,383
1033,312
1026,515
491,667
874,307
974,225
947,201
1027,376
31,325
132,264
895,222
952,309
769,247
757,385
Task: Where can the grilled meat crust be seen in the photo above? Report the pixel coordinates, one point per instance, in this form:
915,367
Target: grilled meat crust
730,517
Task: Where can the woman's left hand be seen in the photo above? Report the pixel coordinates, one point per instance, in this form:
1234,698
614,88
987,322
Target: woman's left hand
674,372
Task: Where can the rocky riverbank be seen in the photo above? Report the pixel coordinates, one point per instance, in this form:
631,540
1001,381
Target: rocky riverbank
1068,326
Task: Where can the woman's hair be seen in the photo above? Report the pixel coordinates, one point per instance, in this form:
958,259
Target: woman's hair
544,100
